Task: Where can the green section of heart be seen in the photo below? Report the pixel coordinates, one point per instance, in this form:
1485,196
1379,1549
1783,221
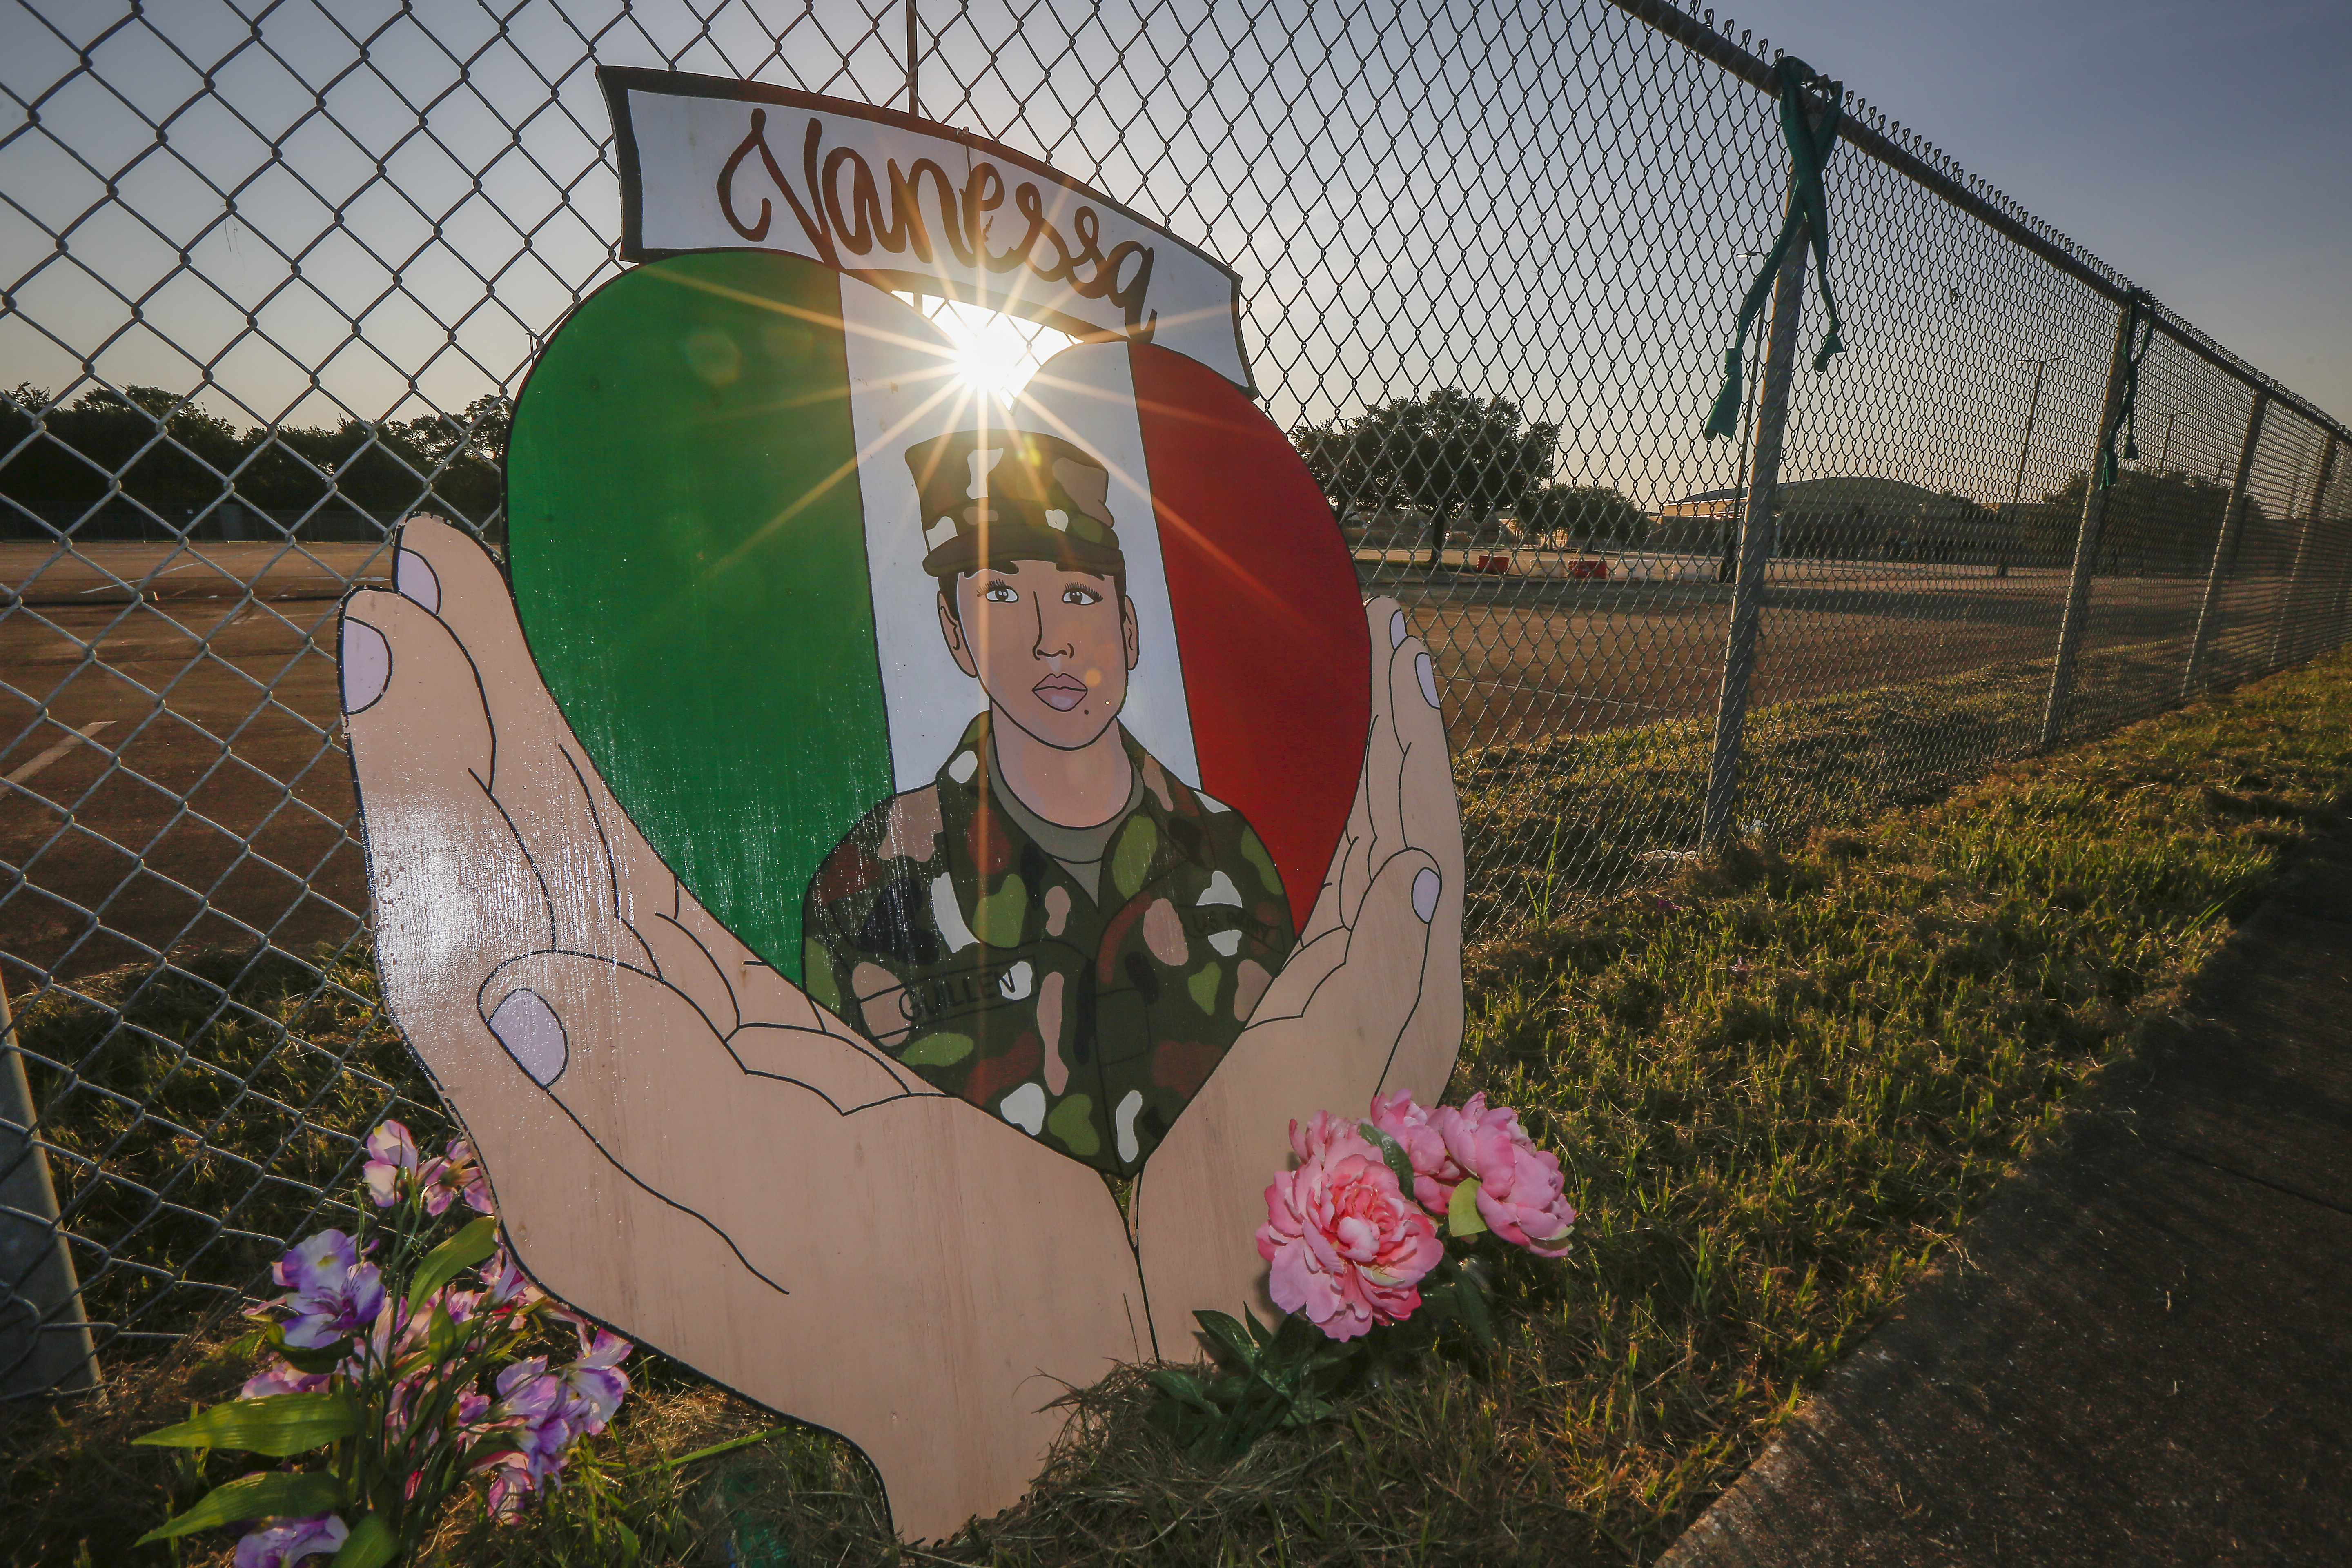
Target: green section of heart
688,555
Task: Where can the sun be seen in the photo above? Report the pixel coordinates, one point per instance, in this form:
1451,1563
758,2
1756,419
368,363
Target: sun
995,354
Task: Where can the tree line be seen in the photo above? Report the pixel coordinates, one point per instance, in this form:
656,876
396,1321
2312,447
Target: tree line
177,462
1454,458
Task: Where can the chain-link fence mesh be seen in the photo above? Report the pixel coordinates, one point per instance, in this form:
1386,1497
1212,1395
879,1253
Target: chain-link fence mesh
272,276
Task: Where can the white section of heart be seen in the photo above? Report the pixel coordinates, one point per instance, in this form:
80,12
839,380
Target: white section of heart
1087,394
904,388
685,141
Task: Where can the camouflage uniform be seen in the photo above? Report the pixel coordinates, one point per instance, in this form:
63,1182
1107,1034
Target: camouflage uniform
941,930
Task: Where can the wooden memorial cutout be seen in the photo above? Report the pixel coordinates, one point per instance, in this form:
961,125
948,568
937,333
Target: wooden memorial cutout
873,814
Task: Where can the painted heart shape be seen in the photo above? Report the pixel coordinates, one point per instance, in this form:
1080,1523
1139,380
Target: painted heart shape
716,542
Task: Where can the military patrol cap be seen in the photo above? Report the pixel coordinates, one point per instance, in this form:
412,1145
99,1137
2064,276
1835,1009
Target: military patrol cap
993,497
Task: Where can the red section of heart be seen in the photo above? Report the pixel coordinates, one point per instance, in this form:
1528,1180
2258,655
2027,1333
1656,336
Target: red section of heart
1277,664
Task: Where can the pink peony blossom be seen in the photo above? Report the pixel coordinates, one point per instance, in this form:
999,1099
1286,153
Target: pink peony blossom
1435,1172
333,1293
1519,1188
280,1541
276,1376
391,1165
1348,1248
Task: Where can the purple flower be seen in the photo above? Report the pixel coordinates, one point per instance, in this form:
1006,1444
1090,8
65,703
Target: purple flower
596,1378
503,1281
391,1164
510,1482
277,1377
458,1175
332,1292
279,1542
543,1418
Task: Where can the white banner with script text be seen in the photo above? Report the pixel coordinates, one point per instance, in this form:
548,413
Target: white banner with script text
710,164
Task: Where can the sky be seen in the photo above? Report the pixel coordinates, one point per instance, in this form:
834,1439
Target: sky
2203,148
378,208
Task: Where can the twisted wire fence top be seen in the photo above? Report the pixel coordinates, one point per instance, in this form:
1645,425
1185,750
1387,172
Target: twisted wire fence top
273,276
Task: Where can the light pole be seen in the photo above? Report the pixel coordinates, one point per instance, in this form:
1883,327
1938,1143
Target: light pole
2024,450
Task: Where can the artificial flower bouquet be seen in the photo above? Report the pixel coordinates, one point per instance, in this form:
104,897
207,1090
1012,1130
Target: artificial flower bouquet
393,1369
1381,1219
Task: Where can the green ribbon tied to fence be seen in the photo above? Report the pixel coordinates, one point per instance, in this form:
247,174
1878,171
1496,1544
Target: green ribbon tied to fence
1809,152
2139,331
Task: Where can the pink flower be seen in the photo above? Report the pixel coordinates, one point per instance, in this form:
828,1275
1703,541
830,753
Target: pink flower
1435,1173
333,1293
279,1542
276,1376
1347,1247
391,1164
1519,1188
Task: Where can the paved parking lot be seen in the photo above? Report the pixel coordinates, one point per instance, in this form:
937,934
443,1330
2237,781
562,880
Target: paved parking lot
174,760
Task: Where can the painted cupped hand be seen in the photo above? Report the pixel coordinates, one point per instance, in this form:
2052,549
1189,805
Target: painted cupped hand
681,1143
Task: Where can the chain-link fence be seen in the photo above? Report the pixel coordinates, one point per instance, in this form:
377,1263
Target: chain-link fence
271,276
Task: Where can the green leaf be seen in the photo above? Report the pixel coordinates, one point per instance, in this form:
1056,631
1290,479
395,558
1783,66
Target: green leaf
470,1245
324,1358
1470,1300
277,1425
371,1544
1230,1334
254,1497
715,1449
1183,1387
1393,1152
1461,1215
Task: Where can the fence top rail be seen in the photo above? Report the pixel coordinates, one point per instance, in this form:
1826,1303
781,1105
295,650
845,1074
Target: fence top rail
1936,173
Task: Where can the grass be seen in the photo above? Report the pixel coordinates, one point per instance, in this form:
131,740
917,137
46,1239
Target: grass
1555,826
199,1111
1780,1082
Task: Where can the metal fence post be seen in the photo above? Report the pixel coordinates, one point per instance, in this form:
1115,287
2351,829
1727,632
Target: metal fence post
1757,520
2301,550
44,1340
2225,545
2087,541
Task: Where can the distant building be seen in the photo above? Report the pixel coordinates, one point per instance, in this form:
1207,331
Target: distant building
1852,517
1698,524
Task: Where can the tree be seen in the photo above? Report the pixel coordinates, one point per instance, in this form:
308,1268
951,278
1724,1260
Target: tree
2155,524
1441,453
176,461
1593,515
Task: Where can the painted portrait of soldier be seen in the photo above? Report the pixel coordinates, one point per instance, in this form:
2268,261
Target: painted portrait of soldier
1056,927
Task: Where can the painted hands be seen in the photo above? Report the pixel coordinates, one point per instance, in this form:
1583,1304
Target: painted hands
1371,1002
896,1266
900,1266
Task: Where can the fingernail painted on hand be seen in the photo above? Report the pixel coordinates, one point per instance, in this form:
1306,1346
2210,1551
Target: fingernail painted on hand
413,575
1398,630
1428,673
366,661
1425,888
532,1032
